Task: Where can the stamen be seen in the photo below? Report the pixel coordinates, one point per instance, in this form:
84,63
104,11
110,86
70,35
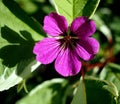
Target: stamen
68,38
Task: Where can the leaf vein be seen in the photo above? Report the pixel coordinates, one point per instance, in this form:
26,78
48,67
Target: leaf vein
64,11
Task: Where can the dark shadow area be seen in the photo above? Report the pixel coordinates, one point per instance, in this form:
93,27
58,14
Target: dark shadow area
117,57
19,13
98,92
113,5
10,96
41,13
19,48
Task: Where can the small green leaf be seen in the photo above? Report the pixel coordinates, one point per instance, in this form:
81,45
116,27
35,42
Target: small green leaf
74,8
111,72
21,86
49,92
80,95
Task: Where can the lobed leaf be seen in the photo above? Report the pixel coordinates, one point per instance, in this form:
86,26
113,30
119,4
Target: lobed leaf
18,33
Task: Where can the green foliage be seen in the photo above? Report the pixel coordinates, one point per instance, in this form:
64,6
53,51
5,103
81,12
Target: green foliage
11,76
80,94
95,91
112,73
18,33
50,92
74,8
102,27
17,20
98,92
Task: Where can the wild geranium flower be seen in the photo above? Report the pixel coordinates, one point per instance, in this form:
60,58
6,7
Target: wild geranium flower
67,45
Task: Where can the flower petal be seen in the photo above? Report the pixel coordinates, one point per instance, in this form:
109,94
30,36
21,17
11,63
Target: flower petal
90,45
83,27
55,24
82,53
46,50
67,63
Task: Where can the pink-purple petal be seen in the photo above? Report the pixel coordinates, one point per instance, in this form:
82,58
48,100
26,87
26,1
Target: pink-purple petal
90,44
83,27
46,50
55,25
82,53
67,63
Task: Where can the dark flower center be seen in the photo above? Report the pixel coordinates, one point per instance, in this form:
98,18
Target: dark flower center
69,41
67,38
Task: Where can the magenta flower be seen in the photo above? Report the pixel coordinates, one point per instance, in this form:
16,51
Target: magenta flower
67,45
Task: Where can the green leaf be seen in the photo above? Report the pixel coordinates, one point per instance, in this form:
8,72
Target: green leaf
9,77
80,95
100,91
74,8
111,72
95,91
14,51
18,33
16,19
49,92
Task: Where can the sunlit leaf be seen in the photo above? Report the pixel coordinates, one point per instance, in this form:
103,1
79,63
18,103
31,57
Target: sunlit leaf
9,77
17,20
74,8
18,33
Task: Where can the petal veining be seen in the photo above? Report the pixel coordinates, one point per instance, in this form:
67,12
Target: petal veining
83,53
46,50
67,63
83,27
55,25
91,45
